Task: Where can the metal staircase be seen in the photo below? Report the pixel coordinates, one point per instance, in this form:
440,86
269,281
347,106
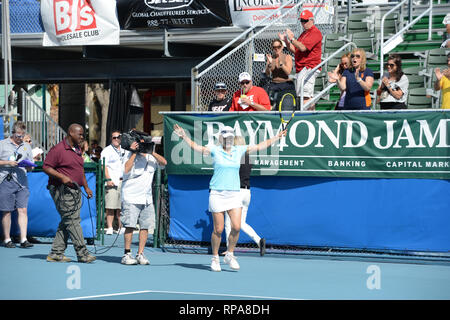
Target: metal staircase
44,131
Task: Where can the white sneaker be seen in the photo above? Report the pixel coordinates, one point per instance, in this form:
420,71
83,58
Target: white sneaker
141,259
128,259
231,260
215,264
109,231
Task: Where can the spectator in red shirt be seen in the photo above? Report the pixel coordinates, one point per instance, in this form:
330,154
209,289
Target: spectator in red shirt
308,54
65,168
249,97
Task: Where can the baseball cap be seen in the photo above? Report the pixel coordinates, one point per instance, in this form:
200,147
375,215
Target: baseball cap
220,86
245,76
306,14
227,131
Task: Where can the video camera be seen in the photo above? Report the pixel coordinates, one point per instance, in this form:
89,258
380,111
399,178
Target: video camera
146,145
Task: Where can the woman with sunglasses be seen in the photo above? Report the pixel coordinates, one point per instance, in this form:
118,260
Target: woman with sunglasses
225,194
337,72
356,82
278,67
393,88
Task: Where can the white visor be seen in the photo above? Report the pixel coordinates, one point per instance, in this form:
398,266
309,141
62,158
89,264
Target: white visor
227,131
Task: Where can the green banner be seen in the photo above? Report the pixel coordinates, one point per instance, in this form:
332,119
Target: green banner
404,144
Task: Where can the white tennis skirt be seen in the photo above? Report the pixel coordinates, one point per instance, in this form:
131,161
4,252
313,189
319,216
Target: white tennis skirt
223,200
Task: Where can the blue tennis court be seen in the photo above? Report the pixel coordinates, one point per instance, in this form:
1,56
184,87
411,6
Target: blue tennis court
179,276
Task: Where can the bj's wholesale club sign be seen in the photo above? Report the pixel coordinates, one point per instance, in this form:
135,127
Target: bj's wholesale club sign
80,22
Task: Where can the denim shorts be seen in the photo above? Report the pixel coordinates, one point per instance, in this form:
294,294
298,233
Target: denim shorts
132,214
13,196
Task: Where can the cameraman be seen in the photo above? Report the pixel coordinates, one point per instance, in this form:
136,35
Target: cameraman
137,198
14,191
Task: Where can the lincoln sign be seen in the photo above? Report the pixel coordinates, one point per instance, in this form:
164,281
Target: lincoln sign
372,144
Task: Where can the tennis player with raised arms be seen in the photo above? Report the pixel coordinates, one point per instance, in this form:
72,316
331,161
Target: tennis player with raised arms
225,187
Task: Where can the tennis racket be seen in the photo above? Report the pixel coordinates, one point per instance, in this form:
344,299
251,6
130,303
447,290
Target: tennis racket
287,107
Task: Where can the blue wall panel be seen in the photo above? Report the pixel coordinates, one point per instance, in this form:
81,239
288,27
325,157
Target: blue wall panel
392,214
43,219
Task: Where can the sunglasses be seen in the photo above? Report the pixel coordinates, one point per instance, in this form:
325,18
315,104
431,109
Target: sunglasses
355,56
19,136
276,47
28,141
391,65
304,20
245,82
117,137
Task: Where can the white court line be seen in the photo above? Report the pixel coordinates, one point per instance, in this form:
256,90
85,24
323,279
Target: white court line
179,292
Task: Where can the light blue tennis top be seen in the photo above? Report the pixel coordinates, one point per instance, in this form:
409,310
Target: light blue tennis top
226,168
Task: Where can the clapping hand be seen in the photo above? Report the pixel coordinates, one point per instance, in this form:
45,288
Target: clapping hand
333,77
357,74
385,81
289,34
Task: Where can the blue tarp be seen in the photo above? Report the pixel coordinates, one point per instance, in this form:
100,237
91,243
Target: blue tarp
43,219
384,214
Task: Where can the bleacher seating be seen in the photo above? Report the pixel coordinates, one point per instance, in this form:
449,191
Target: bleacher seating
419,55
416,81
418,99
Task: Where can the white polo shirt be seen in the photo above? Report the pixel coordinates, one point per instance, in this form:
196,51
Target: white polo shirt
137,184
113,161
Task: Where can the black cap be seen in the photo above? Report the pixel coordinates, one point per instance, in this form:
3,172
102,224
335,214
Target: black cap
220,86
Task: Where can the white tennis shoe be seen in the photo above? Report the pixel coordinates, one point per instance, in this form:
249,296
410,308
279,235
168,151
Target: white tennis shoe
141,259
128,259
215,264
231,260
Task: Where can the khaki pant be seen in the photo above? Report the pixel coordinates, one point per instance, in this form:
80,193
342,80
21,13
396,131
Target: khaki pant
68,204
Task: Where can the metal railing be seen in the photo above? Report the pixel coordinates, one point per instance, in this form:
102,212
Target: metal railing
44,131
244,37
252,42
393,41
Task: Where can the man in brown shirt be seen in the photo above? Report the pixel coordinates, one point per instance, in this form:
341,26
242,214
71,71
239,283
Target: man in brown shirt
64,166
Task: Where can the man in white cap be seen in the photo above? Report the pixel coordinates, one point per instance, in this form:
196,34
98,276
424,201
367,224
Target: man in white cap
220,101
249,97
308,54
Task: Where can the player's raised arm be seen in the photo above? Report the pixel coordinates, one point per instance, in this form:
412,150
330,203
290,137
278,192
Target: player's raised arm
182,134
267,143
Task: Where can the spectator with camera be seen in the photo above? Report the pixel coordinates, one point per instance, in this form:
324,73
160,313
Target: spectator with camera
140,164
14,191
